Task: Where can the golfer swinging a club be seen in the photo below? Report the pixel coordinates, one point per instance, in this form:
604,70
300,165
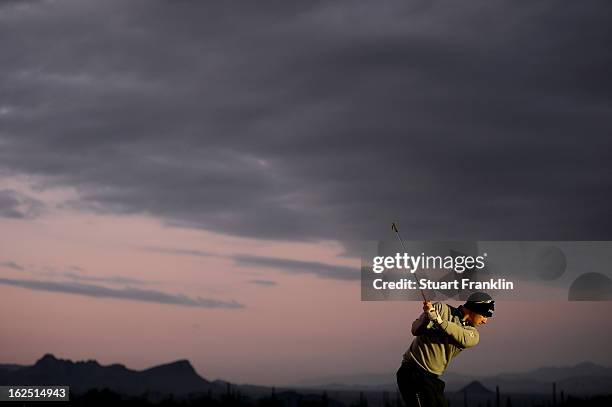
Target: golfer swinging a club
441,332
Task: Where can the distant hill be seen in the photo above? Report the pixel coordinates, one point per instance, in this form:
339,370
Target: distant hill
10,367
582,379
177,378
173,378
180,379
372,382
476,387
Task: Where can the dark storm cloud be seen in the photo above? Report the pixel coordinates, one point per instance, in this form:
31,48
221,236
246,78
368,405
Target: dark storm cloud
266,283
178,252
17,3
110,280
18,206
322,270
75,273
11,265
308,121
127,293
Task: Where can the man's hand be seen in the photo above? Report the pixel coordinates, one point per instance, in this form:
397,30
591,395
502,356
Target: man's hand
431,312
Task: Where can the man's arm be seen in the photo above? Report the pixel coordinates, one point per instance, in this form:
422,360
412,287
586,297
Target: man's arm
465,336
420,324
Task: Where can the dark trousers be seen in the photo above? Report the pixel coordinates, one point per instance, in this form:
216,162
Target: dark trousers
420,388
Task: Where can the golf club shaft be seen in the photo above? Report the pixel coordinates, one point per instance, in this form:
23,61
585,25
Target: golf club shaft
399,237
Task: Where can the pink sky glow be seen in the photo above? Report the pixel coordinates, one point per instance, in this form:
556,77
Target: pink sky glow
302,327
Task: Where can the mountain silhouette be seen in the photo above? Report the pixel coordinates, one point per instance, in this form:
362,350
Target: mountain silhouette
180,379
475,387
583,378
173,378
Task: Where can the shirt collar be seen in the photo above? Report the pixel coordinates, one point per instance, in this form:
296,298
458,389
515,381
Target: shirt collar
462,316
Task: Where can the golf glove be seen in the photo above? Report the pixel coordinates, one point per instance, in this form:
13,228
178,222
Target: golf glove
434,316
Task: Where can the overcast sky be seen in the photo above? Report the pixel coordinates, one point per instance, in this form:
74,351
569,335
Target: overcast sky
190,180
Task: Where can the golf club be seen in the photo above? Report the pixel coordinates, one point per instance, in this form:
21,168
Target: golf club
399,237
